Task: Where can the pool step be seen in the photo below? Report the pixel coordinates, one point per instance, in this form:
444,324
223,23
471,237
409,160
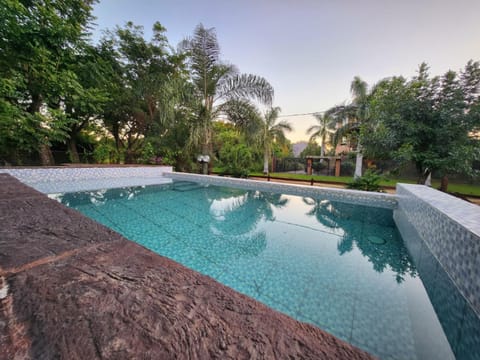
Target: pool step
186,186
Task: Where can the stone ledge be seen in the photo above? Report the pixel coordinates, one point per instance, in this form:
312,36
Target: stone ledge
450,227
357,197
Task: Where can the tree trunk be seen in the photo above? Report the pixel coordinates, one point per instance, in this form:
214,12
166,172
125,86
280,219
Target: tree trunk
358,162
46,156
72,150
444,183
428,180
322,149
130,157
207,150
265,162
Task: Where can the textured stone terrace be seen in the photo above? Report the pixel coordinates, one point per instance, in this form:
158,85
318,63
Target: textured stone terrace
73,289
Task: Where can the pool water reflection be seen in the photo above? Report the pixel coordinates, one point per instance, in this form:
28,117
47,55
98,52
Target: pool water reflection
309,258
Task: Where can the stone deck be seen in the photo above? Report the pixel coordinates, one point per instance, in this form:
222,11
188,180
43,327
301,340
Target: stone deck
72,289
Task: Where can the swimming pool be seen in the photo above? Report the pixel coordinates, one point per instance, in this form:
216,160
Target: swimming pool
339,266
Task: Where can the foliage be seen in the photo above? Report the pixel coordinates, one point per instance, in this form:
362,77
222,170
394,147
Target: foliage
39,42
325,128
282,150
370,181
148,153
351,118
237,159
272,132
219,88
426,120
131,99
232,151
147,87
105,152
312,149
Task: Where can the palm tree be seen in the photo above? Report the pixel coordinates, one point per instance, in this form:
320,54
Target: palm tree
216,84
271,132
356,114
326,126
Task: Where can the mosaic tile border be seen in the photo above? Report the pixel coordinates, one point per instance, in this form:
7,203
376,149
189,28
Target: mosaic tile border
449,227
71,179
381,200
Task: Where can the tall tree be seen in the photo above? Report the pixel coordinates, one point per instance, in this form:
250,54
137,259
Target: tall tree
87,103
146,86
215,83
38,40
351,117
326,126
272,131
430,121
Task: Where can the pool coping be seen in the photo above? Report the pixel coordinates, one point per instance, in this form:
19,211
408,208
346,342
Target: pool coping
54,180
375,199
449,227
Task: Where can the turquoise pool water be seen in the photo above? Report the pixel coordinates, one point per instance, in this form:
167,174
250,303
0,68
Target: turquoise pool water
338,266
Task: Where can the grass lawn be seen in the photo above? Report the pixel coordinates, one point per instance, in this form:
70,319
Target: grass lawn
464,189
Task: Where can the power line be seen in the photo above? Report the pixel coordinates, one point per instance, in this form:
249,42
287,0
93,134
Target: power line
303,114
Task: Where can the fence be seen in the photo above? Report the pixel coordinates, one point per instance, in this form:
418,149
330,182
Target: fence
347,168
324,167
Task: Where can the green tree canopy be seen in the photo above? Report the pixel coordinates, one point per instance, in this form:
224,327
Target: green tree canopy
220,89
39,42
147,87
272,132
323,130
430,121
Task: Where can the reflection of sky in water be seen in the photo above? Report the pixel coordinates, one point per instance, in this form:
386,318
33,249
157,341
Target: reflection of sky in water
309,258
219,207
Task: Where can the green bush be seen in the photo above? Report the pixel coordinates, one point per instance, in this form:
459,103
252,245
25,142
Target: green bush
147,155
370,181
237,159
105,152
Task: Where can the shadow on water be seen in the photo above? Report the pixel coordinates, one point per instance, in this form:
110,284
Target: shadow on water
358,225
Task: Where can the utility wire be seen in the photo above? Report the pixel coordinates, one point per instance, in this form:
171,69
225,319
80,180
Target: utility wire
310,113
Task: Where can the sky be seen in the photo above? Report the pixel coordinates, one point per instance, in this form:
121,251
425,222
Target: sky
310,50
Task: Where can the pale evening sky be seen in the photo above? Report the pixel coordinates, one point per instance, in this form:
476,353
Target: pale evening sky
310,50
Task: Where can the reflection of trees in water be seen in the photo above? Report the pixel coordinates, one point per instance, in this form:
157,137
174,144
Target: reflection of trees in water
99,197
235,218
234,213
338,215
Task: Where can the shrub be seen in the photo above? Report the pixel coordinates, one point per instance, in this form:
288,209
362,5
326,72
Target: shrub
370,181
105,152
237,159
147,155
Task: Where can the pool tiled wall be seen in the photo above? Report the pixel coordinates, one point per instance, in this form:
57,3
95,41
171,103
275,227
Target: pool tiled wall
69,179
442,234
352,196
